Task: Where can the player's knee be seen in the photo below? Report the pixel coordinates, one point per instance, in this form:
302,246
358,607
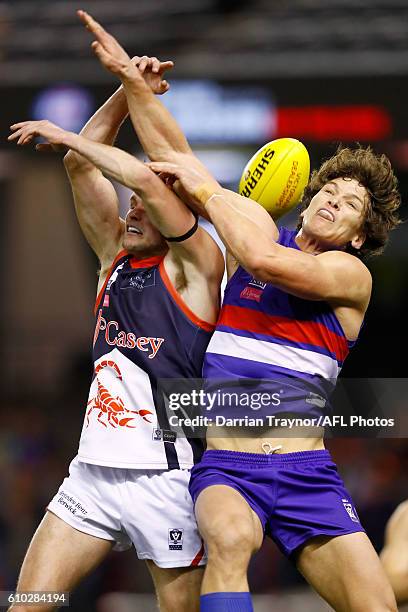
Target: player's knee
232,537
180,600
381,601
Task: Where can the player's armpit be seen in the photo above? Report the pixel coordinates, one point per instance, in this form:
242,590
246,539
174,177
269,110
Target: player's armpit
231,264
334,276
96,206
200,256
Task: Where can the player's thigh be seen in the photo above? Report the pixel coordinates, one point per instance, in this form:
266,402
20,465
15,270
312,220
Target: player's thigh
226,520
59,556
177,589
347,572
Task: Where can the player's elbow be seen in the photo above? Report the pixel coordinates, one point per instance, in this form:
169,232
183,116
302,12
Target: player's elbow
257,265
75,163
143,181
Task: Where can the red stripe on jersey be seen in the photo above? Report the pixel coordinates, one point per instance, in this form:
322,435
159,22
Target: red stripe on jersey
114,262
149,262
180,302
198,556
308,332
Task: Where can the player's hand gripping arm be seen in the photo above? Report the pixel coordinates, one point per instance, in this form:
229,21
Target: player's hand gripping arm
334,276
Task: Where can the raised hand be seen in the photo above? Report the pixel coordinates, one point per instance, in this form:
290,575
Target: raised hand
115,59
25,131
152,70
109,52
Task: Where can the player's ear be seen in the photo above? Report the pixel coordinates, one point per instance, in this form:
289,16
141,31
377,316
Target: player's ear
358,241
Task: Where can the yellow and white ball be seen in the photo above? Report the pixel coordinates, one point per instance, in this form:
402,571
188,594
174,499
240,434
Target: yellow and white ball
277,175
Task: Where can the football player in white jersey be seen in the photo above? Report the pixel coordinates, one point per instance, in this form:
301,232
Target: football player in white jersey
89,516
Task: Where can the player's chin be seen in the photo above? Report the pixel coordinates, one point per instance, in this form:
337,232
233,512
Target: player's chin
134,243
145,246
321,227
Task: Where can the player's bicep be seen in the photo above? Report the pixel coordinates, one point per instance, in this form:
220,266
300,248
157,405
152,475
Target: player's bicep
96,205
199,255
335,277
165,209
255,212
196,253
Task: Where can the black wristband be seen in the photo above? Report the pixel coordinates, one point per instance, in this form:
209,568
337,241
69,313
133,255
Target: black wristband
186,235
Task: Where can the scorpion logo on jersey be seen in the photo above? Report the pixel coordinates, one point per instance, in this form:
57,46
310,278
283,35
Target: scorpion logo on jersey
112,410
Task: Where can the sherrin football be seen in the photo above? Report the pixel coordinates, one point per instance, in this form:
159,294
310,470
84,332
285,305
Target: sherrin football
277,175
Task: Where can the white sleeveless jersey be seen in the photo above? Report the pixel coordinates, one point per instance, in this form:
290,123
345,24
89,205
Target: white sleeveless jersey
143,332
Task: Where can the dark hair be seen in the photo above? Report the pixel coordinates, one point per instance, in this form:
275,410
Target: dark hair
375,173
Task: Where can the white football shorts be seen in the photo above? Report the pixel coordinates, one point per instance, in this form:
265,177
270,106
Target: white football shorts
151,509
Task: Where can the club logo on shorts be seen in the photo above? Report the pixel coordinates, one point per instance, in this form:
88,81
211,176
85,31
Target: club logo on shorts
350,510
176,539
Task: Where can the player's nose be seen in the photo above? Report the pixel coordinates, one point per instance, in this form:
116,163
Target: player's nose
137,205
334,203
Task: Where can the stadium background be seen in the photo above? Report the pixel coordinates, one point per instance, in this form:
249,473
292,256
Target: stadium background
246,72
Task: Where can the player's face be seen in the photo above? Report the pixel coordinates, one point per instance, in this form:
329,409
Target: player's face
336,214
141,238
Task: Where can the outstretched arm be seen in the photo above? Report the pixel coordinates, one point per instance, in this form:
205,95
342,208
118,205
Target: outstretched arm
95,199
160,135
333,276
199,250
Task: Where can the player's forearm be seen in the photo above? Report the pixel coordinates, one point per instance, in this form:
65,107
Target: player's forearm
165,210
158,132
102,127
241,236
114,162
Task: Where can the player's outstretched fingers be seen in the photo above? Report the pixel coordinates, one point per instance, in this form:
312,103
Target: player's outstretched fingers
91,24
17,130
14,135
101,54
19,135
166,66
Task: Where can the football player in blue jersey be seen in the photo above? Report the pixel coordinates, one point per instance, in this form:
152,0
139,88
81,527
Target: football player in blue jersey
315,523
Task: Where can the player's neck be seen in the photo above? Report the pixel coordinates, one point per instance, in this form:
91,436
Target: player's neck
309,244
140,255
